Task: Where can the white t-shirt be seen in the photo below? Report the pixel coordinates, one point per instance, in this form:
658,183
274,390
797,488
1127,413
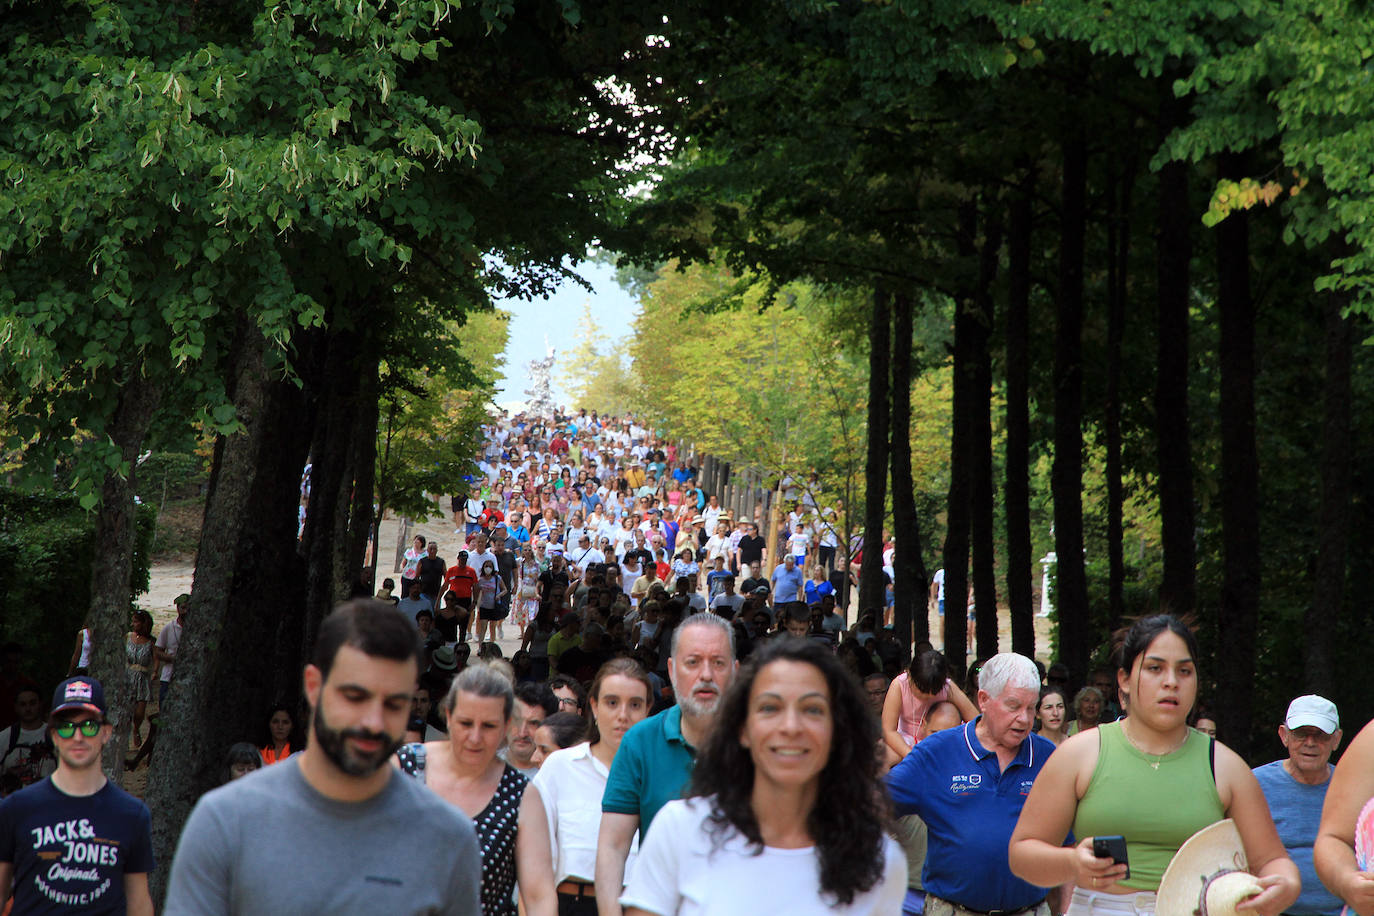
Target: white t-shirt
629,576
31,759
584,558
939,580
735,602
571,783
679,874
168,640
477,559
800,543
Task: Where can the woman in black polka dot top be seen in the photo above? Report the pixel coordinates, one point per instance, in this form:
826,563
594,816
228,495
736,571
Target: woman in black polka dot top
466,771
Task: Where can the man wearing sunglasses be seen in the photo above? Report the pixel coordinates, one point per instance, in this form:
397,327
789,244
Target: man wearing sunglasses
75,842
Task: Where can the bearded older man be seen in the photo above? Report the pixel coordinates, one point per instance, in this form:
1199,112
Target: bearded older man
655,759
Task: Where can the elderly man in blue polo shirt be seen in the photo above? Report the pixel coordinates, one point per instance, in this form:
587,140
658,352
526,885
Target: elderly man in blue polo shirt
969,784
654,762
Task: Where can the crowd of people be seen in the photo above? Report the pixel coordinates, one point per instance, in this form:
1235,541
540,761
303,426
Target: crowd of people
664,742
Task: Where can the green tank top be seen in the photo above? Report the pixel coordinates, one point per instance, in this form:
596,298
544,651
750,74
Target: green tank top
1156,810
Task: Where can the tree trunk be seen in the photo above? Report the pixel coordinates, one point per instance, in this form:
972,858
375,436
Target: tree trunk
1118,269
910,585
326,528
112,567
1067,474
1240,588
982,521
871,586
360,530
955,555
1328,589
226,677
1020,596
1177,592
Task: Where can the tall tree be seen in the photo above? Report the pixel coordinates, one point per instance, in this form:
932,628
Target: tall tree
1238,615
982,488
1323,615
871,585
1174,253
1016,493
958,513
909,582
1119,187
113,560
1071,594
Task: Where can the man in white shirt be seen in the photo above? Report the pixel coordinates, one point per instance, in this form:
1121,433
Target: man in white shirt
165,650
26,750
727,599
584,554
482,553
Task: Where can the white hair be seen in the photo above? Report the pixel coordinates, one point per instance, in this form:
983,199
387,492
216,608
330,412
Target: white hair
1008,669
704,619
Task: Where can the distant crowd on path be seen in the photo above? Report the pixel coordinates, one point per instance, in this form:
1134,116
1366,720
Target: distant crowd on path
673,751
585,510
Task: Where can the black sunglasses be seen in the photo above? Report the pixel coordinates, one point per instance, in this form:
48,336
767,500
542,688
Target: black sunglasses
89,727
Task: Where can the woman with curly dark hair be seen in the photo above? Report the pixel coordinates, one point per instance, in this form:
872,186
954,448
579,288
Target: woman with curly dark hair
785,785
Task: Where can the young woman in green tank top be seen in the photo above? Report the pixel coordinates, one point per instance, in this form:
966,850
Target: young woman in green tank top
1151,779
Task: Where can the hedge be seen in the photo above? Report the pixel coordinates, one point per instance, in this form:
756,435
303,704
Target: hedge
47,543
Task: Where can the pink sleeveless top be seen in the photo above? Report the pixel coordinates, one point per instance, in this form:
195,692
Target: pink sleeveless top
914,708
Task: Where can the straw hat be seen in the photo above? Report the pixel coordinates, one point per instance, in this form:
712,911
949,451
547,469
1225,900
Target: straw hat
1207,876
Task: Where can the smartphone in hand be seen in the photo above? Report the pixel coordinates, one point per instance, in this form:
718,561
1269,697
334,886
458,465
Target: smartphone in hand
1114,848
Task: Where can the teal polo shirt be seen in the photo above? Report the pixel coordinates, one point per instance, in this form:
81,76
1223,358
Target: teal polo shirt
652,767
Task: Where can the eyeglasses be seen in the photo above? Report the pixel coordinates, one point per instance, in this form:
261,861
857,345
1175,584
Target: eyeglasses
89,727
570,702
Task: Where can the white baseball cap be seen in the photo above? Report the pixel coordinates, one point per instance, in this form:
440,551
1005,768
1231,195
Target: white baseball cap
1312,710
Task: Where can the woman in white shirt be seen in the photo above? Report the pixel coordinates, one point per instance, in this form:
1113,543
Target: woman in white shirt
719,544
785,812
630,571
570,783
624,537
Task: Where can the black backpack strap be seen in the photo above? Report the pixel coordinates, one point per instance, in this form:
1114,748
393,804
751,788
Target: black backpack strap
1212,757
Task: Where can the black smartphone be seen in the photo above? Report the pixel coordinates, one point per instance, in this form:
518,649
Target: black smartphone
1114,848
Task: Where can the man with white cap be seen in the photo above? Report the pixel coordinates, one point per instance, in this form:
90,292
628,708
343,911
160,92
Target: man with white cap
1295,788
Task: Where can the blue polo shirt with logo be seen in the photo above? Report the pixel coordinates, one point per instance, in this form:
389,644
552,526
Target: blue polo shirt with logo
651,768
970,806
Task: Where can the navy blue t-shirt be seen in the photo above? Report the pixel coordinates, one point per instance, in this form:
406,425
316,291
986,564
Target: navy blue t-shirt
71,853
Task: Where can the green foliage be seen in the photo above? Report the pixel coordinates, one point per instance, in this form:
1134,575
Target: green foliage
595,370
431,418
163,475
778,389
46,544
164,174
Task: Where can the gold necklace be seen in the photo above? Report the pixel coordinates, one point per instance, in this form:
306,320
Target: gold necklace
1154,764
